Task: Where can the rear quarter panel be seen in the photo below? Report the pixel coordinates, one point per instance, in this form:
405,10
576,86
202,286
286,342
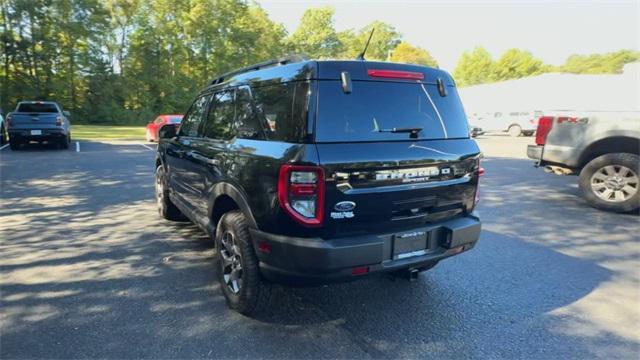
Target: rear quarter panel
254,170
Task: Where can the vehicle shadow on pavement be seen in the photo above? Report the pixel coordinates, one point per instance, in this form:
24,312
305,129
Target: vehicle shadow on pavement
89,270
535,280
460,305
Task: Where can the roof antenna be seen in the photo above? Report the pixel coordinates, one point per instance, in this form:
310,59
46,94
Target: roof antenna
361,56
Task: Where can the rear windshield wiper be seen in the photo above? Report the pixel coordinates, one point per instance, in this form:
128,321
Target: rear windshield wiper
413,131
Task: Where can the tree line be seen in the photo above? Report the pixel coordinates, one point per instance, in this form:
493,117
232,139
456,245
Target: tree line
478,67
125,61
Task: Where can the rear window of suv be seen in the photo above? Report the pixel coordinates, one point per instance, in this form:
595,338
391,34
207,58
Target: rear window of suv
37,108
374,108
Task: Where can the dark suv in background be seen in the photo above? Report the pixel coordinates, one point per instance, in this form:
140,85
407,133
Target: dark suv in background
313,171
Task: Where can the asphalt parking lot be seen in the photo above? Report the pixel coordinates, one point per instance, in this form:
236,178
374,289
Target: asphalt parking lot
89,270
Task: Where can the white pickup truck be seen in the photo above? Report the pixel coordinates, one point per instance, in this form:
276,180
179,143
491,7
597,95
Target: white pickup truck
602,147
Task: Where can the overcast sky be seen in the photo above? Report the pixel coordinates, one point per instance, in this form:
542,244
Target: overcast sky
551,30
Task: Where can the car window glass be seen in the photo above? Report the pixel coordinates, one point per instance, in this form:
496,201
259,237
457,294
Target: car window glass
37,108
221,116
374,108
247,125
282,109
191,122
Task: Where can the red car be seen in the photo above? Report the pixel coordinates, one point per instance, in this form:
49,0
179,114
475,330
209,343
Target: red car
155,125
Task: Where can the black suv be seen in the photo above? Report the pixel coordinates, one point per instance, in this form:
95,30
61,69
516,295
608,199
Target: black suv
312,171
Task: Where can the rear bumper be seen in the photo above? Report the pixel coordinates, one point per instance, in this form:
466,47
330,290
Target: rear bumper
46,134
535,152
314,260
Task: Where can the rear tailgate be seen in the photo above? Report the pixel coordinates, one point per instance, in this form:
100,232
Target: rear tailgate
382,186
33,120
395,153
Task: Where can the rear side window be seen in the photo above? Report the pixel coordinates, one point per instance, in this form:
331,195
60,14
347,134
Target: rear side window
37,108
247,124
221,116
379,111
282,110
191,122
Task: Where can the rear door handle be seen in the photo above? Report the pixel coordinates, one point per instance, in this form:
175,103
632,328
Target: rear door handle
203,158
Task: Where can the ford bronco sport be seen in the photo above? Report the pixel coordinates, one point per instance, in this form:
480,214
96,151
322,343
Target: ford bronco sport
314,171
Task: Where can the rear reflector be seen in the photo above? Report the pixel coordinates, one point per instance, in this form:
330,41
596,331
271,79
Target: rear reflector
360,270
264,247
395,74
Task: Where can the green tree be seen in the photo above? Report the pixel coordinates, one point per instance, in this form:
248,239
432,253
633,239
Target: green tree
316,35
474,67
609,63
384,40
515,64
407,53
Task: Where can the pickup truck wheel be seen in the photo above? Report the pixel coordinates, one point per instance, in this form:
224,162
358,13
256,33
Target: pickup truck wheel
14,144
64,143
238,270
166,207
611,182
515,130
3,135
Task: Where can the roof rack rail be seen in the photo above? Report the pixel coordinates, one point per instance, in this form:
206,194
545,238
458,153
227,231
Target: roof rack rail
263,65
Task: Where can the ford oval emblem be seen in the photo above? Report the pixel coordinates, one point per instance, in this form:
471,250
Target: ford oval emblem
345,206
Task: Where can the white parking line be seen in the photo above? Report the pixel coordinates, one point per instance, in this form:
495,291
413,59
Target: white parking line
77,146
150,148
3,146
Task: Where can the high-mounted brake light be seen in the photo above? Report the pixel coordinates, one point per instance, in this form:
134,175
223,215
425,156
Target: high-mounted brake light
301,193
395,74
544,126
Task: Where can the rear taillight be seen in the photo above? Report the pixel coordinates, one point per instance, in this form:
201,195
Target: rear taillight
544,126
301,193
59,121
395,74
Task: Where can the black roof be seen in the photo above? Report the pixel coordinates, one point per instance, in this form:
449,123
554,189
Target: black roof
298,68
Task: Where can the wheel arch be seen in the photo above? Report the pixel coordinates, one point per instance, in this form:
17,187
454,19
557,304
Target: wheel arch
226,197
611,144
158,162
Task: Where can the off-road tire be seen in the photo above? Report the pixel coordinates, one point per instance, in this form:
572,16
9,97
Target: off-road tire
514,130
616,160
254,292
166,207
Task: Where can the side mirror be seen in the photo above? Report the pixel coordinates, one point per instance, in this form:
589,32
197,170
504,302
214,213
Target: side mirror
168,131
66,113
